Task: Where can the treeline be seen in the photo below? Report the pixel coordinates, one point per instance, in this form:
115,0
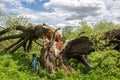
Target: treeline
69,32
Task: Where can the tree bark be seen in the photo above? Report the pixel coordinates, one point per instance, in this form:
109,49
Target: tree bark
13,45
19,45
11,37
48,57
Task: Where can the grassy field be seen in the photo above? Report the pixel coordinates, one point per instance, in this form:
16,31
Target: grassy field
17,66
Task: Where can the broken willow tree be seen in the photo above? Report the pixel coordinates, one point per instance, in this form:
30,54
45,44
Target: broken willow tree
53,50
53,53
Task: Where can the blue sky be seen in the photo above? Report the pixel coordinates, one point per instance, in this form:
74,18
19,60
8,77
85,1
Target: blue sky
64,12
37,5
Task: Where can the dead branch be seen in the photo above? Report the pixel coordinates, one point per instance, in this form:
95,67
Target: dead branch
29,47
13,45
11,37
19,45
38,43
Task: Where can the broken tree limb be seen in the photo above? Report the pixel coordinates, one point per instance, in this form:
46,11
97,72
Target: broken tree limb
13,45
11,37
29,47
21,28
38,43
77,49
19,45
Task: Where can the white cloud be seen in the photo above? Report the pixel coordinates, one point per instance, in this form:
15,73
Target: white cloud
61,25
15,3
90,10
67,12
113,10
11,2
77,9
29,1
33,17
2,6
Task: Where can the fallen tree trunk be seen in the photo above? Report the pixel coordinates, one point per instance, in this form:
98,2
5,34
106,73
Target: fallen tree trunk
71,49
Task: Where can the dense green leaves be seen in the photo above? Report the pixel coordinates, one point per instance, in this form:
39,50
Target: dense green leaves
17,67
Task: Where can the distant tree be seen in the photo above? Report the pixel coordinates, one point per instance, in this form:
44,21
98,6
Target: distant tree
85,28
67,30
12,21
104,26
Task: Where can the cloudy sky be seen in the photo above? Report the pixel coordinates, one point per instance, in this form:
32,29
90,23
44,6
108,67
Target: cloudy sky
64,12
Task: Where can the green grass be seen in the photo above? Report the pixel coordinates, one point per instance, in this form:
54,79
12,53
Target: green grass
17,66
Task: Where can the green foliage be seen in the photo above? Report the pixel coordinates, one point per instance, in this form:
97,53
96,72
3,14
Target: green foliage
17,66
105,26
12,21
67,30
74,33
96,30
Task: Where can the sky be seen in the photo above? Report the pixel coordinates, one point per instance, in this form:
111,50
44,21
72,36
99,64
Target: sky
64,12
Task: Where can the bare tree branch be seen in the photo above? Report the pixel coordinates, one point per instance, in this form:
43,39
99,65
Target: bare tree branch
19,45
38,43
11,37
13,45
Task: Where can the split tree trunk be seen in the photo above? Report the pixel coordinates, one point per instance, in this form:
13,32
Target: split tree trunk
49,59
